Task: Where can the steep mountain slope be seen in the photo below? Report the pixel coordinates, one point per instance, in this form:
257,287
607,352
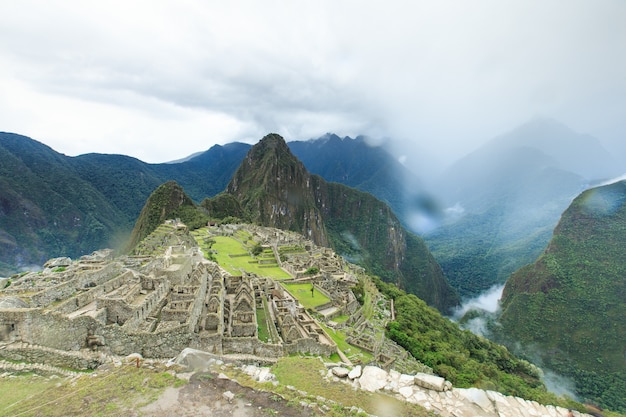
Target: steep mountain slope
276,190
358,164
47,209
168,201
571,302
55,205
506,197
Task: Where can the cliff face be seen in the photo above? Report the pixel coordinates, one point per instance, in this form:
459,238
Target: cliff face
276,190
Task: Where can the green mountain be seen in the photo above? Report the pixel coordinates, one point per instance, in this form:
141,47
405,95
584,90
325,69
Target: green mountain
570,304
47,208
275,189
54,205
366,167
505,198
168,201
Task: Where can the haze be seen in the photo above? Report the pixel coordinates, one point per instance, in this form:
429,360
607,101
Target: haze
162,80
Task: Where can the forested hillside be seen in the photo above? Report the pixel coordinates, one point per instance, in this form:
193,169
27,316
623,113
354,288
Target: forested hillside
570,304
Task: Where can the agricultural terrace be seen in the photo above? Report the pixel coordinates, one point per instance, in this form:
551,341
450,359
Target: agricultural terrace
302,292
235,256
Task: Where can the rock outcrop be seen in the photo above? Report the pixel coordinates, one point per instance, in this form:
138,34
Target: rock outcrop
437,395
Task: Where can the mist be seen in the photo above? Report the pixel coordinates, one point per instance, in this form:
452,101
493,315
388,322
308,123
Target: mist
488,301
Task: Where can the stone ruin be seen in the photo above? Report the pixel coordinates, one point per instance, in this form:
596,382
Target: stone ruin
167,297
155,305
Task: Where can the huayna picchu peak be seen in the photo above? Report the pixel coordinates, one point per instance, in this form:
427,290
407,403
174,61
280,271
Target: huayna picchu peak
275,189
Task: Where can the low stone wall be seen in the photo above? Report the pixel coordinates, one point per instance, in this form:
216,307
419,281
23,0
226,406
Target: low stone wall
310,346
57,358
165,344
251,346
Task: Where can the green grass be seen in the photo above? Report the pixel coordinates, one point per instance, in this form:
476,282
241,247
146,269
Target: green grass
234,257
100,394
264,333
305,374
341,319
303,293
349,350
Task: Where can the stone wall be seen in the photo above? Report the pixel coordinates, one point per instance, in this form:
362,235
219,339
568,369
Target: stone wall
251,346
163,344
52,357
309,346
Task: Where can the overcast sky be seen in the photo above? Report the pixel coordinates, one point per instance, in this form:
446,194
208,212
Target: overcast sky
160,80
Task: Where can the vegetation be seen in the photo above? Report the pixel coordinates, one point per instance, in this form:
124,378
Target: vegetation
304,374
366,232
234,256
578,284
110,394
309,296
458,355
474,256
168,201
355,353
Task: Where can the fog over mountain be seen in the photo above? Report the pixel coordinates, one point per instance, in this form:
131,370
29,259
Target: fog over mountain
161,81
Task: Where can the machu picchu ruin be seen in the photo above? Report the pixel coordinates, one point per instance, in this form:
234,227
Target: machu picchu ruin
273,293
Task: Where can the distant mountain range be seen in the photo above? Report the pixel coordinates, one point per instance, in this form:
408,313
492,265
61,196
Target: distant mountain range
54,205
106,192
504,199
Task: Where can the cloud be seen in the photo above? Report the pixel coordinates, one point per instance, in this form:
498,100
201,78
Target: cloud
488,301
441,75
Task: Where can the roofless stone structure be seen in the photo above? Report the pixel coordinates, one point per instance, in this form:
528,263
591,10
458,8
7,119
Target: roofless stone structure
73,313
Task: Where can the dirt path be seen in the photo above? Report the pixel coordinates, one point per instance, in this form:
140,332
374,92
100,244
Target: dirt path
204,396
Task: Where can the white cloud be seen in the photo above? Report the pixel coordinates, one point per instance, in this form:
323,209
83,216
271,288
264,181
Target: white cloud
442,75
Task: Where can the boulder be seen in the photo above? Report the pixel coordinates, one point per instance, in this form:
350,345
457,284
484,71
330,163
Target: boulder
373,378
340,372
228,396
355,372
476,396
194,359
433,382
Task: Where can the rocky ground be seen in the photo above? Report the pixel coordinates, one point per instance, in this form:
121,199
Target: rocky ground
211,394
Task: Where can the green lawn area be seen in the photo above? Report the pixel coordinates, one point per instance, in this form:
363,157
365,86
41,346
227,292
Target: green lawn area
340,339
303,293
225,247
341,319
264,333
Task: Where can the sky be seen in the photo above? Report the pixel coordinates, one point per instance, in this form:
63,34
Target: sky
160,80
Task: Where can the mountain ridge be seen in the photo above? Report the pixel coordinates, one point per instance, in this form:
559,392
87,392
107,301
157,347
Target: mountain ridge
571,301
275,189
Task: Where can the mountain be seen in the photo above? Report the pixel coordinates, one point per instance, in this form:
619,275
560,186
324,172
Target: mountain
505,198
46,207
570,304
168,201
122,185
359,164
54,205
275,189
